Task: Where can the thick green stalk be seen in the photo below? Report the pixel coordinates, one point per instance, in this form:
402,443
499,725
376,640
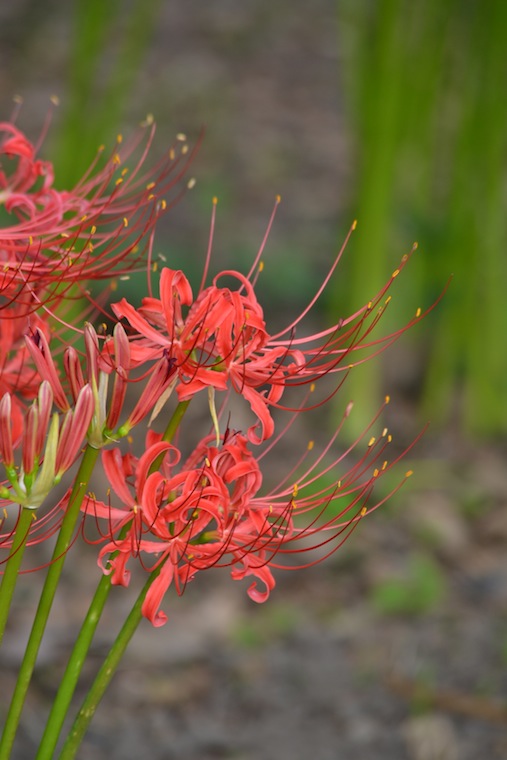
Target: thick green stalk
46,600
70,678
105,674
11,572
175,420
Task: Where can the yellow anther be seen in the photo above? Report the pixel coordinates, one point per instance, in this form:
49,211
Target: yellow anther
119,139
409,473
191,183
215,200
418,313
375,473
395,273
312,387
119,181
150,185
181,137
124,171
261,266
154,266
171,154
55,100
163,204
184,150
371,441
389,438
124,277
354,224
207,462
116,159
387,399
150,197
125,221
30,239
130,439
384,465
278,198
369,305
384,432
295,490
387,300
310,446
364,510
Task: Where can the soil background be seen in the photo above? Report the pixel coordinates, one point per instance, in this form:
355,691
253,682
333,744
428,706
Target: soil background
396,647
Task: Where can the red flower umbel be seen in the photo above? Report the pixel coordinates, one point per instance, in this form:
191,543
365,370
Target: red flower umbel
210,511
219,340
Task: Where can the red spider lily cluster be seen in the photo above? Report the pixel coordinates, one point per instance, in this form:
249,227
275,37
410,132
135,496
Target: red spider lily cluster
180,513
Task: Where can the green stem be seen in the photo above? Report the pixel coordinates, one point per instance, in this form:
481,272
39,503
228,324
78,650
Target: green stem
76,661
11,573
73,670
175,420
106,673
46,600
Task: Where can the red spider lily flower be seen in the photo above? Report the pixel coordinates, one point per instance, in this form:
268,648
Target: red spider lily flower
158,498
219,339
48,447
60,238
208,512
222,340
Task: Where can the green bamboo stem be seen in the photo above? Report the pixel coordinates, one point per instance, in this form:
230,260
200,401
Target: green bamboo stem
106,673
13,564
46,600
378,95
